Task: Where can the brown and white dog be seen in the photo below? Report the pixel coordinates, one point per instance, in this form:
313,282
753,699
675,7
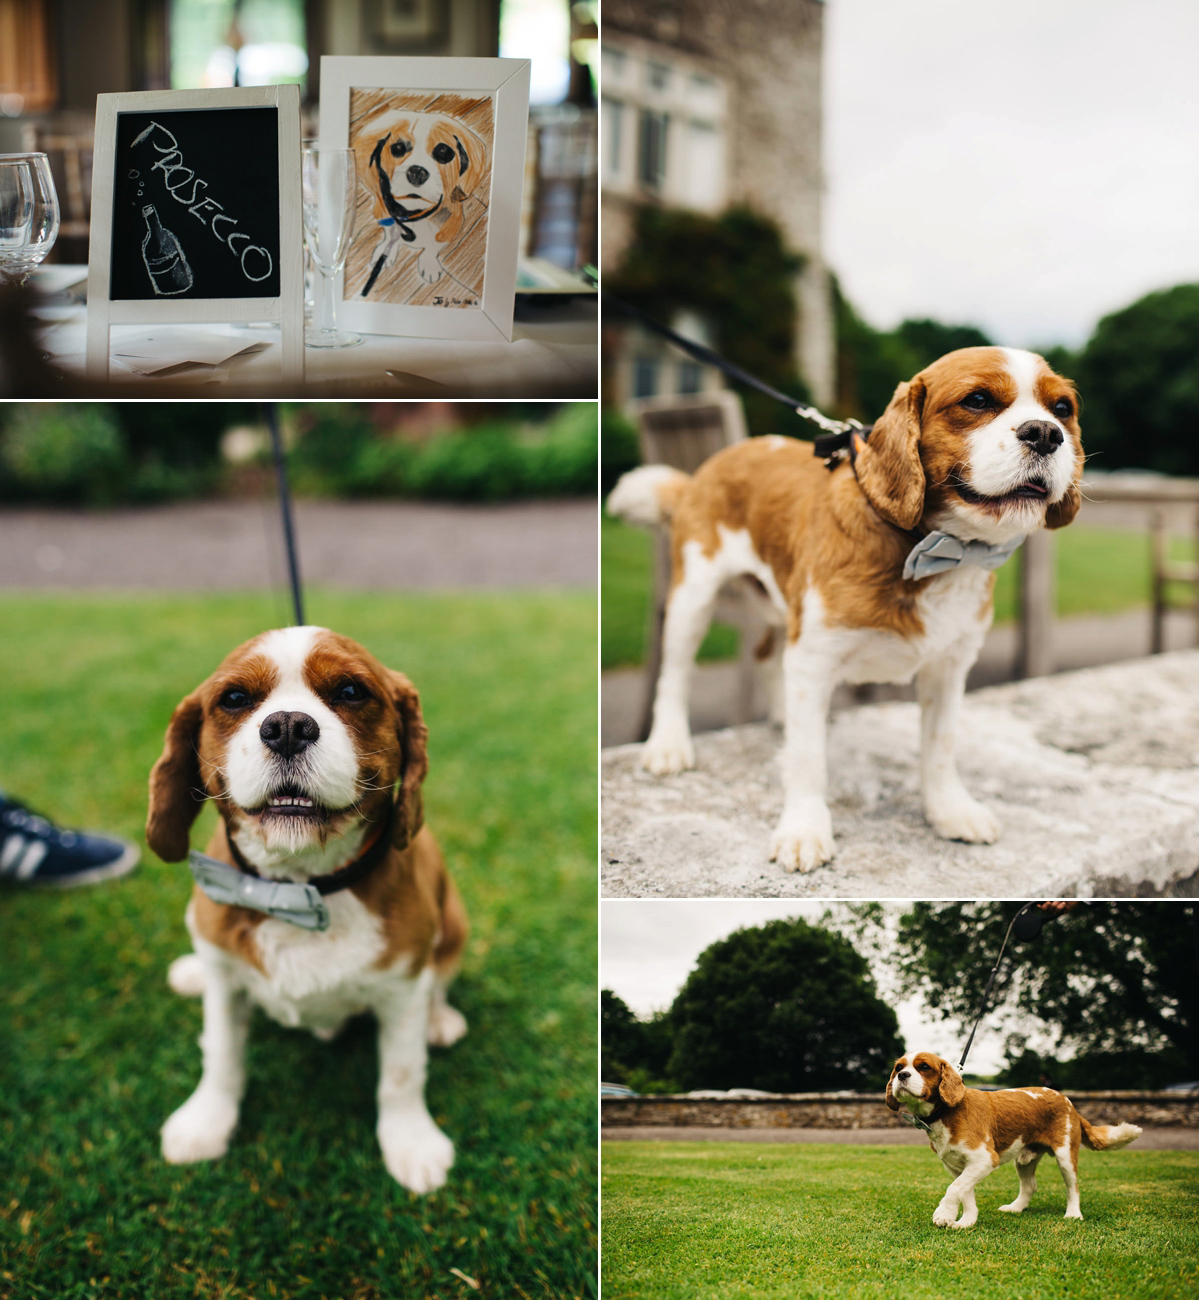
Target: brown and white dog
300,737
975,1132
982,446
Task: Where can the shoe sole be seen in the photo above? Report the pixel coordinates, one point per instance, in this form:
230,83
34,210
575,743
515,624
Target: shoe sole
121,866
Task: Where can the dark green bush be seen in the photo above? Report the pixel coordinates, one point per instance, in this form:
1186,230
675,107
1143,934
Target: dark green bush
340,454
619,448
65,452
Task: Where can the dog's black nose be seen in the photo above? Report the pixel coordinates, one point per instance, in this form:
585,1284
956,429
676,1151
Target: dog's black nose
287,734
1043,437
416,175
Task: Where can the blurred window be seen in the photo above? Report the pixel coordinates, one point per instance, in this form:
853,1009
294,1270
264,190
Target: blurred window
703,175
651,152
237,43
28,62
614,127
645,376
691,377
538,30
657,76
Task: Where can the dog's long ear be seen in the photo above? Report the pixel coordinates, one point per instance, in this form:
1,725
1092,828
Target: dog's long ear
1062,512
414,737
176,786
888,464
892,1104
462,175
951,1087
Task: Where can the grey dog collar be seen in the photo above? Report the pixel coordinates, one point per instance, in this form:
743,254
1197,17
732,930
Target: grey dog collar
939,552
285,900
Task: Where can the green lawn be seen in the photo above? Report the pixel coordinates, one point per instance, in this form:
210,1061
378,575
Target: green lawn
717,1220
95,1051
1099,571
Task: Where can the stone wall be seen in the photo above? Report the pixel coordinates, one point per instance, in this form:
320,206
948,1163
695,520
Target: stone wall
867,1110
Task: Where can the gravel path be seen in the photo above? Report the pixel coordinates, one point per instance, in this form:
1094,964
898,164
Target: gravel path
1152,1139
237,544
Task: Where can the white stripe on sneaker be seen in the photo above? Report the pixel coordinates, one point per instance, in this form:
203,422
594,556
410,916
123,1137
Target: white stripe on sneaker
13,846
32,859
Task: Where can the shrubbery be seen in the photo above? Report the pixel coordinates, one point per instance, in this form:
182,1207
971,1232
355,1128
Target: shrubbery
101,455
338,453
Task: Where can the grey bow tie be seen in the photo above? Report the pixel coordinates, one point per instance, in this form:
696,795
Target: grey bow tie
939,552
301,905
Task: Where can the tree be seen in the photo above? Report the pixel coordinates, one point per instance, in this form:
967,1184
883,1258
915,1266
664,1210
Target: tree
1139,379
786,1007
735,271
1106,978
633,1051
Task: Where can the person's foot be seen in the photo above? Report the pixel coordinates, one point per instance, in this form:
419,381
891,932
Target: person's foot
33,851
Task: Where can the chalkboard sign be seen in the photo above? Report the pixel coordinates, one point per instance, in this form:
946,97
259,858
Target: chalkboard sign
196,205
196,214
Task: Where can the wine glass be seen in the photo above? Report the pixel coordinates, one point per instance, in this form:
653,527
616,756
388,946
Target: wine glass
28,214
329,181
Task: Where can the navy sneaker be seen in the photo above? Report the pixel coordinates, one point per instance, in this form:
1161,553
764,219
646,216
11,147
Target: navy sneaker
34,851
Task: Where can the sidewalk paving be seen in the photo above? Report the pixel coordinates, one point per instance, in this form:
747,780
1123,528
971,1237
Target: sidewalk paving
238,544
1092,775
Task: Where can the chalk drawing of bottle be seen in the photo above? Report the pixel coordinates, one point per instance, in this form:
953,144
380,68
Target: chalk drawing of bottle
163,255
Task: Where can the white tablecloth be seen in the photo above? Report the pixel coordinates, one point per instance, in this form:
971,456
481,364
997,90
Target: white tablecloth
553,353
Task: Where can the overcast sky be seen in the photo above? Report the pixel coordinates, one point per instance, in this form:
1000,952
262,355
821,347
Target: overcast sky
1027,166
648,948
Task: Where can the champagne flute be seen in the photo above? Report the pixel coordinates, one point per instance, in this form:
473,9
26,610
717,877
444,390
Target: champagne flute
28,214
329,182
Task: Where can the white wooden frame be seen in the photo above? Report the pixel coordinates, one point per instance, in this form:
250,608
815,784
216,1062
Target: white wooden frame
507,81
287,309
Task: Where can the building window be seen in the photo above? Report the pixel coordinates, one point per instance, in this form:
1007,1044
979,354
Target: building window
651,152
614,120
645,376
658,76
691,377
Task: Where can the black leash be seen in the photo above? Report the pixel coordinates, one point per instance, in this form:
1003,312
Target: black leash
837,440
1033,925
271,411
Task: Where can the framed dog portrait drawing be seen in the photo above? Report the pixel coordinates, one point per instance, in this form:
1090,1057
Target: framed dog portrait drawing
439,149
196,214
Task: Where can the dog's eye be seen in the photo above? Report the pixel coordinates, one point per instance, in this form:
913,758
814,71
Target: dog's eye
979,400
442,153
924,1069
234,700
400,148
1063,408
350,693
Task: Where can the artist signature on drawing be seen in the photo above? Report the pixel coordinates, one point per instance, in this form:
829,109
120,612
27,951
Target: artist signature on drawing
256,262
442,301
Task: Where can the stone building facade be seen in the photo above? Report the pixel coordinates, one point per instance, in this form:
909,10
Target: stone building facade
711,103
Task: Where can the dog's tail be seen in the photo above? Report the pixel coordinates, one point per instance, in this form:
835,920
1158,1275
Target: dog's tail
1108,1137
649,495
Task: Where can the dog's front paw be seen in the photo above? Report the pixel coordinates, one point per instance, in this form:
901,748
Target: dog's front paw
803,840
1073,1214
186,976
667,751
429,272
957,816
446,1025
200,1129
1013,1207
418,1155
945,1217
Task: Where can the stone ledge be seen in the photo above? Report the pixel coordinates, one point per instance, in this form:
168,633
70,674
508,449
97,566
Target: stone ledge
868,1110
1094,775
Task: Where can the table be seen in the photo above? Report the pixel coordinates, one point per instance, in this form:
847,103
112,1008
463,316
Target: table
553,353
